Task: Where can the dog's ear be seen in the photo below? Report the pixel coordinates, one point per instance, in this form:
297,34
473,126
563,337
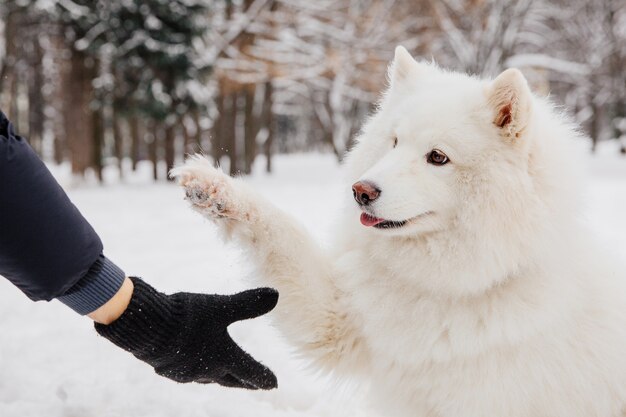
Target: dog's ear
404,68
510,99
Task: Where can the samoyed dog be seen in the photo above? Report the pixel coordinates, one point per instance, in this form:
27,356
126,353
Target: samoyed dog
461,283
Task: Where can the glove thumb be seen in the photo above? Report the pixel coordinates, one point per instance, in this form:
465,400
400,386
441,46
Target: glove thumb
249,304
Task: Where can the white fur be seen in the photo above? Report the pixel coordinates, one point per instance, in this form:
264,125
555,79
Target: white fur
493,303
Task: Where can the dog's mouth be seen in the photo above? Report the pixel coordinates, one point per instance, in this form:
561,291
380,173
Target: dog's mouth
370,221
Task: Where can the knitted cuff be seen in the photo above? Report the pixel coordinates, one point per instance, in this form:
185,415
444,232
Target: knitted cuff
147,325
103,280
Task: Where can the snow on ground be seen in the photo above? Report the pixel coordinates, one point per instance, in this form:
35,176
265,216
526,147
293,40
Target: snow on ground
53,364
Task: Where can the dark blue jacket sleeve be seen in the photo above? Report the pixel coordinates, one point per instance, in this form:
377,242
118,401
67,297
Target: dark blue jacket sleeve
46,245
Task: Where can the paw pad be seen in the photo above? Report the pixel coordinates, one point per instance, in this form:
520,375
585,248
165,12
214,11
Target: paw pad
209,190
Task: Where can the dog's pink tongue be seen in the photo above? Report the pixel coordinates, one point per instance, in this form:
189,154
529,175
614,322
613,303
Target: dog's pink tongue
367,220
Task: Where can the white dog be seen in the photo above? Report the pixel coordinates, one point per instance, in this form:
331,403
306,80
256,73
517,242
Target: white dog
461,283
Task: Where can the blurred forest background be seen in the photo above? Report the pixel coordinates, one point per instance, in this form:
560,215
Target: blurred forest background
115,82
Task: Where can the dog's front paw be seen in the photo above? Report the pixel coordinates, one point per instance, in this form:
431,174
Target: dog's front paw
209,190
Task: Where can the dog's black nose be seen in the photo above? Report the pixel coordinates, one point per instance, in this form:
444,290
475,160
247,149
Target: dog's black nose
365,192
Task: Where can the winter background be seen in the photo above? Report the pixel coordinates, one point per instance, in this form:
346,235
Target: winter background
112,93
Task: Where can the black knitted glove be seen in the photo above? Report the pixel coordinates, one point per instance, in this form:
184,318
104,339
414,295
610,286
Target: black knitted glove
183,336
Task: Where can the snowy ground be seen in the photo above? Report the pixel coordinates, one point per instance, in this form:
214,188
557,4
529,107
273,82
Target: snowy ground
53,364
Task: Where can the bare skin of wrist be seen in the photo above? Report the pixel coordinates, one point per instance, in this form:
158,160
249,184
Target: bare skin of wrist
114,308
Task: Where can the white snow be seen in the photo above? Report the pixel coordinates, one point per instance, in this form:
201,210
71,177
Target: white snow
53,364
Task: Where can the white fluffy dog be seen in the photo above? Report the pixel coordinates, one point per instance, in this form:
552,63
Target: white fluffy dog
461,283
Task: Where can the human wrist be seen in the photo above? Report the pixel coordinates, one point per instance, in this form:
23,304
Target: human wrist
146,325
115,307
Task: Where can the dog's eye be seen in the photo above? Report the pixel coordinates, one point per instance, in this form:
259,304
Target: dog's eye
436,157
395,142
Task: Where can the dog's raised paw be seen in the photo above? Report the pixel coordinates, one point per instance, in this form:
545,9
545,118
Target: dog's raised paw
208,189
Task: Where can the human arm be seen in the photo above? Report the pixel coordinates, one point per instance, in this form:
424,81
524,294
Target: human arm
48,250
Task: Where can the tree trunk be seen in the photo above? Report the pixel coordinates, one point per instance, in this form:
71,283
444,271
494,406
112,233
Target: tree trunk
36,116
118,142
198,134
98,141
231,133
595,126
8,76
136,140
78,114
188,128
170,137
59,80
154,149
250,130
59,139
217,131
269,123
